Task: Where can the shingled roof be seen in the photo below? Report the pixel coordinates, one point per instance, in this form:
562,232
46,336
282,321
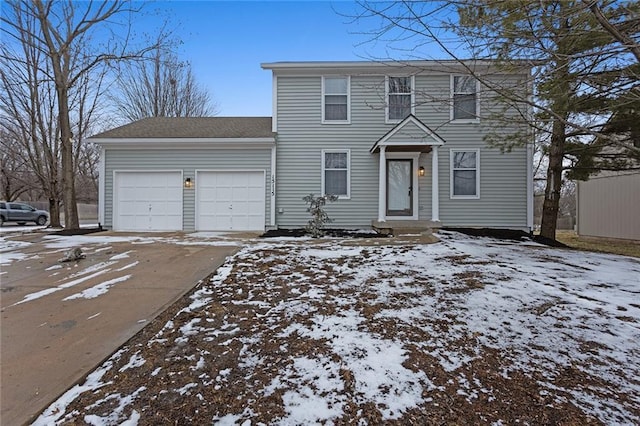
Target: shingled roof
192,127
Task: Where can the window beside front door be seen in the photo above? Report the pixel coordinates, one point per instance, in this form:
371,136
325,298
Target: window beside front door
335,100
399,187
464,91
336,173
399,98
465,173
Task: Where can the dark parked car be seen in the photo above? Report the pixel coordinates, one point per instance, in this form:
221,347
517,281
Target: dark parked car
22,213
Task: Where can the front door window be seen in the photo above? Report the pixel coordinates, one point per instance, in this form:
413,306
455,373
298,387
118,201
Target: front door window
399,188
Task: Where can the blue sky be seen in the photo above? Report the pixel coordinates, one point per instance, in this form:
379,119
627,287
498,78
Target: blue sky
226,41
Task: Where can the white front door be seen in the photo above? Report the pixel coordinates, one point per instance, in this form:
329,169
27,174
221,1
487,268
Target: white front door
400,187
147,201
230,201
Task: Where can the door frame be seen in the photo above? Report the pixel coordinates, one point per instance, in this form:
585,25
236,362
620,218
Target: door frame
414,157
409,212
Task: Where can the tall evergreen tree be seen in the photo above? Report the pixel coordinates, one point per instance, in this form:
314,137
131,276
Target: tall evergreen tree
584,78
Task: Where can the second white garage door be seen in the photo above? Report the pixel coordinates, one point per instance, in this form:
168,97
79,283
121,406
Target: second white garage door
230,201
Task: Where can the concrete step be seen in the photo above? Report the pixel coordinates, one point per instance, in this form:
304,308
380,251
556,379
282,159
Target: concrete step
404,227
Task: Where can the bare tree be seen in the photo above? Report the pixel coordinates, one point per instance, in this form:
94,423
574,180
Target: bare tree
581,73
28,119
161,86
61,31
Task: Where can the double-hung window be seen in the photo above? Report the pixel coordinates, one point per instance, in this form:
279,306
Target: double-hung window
465,173
465,98
336,173
399,98
335,100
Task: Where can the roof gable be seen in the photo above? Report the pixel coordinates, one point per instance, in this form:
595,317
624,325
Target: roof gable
409,132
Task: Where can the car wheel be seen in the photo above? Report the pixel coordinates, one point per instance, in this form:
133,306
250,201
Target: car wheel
42,220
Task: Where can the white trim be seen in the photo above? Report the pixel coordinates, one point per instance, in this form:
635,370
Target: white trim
415,157
272,182
452,93
323,95
102,171
477,168
274,103
530,186
384,141
185,143
197,195
382,184
387,120
114,192
435,195
322,169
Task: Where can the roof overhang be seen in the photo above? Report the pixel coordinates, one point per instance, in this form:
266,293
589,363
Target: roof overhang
399,66
427,139
184,143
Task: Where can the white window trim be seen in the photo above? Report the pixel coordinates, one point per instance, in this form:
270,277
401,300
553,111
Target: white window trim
464,197
452,93
386,98
348,120
348,152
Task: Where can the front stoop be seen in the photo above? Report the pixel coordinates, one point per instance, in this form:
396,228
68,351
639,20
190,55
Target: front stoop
404,227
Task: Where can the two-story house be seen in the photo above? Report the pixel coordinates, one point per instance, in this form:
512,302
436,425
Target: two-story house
396,142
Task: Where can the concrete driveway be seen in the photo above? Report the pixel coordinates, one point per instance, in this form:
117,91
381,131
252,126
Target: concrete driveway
61,320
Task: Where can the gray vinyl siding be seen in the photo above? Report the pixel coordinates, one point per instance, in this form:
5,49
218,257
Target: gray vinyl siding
188,161
302,137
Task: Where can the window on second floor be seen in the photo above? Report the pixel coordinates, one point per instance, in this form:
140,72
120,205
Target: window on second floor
465,98
336,100
465,173
399,98
336,173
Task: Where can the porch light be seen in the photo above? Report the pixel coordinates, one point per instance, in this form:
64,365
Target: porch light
188,183
421,171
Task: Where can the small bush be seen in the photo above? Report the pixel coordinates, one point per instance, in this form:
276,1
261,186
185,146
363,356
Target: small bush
319,217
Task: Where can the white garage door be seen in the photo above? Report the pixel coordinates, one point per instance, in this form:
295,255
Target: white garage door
230,201
148,201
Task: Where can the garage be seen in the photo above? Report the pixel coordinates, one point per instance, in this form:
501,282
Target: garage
230,200
148,201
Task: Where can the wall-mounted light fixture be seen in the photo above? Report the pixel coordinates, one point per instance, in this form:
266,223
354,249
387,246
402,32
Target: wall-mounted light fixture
421,171
188,183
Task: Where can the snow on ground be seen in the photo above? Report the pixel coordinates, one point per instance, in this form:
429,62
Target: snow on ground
93,245
469,330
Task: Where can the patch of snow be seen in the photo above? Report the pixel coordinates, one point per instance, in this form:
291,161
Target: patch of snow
37,295
115,414
135,361
130,265
53,413
51,268
120,256
97,290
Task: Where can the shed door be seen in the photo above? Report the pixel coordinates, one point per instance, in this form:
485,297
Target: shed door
148,201
230,201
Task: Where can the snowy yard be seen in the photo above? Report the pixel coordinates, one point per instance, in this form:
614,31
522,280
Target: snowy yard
466,331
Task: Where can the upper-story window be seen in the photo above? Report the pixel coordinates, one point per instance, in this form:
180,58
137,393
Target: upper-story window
336,100
465,98
399,98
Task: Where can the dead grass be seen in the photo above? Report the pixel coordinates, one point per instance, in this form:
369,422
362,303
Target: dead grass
598,245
